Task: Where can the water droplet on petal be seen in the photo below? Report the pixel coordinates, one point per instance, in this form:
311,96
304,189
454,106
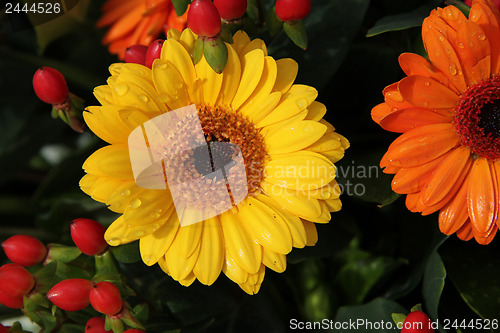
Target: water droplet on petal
146,259
176,96
139,234
126,192
452,69
143,98
308,128
156,215
162,66
481,37
441,38
134,204
179,85
114,242
427,83
461,45
121,89
155,227
302,103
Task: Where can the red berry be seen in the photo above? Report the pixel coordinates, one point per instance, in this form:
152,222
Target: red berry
292,10
203,18
134,330
14,302
71,294
24,250
417,322
50,85
88,236
153,52
136,54
231,9
15,280
105,297
96,325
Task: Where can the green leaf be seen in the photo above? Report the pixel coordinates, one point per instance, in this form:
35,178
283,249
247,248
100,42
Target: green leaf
273,23
215,52
127,253
198,50
180,6
373,312
296,31
46,277
61,253
141,312
472,270
398,318
433,284
417,307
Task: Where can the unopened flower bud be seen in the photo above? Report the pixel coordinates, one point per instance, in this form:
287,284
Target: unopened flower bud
71,294
203,18
105,297
88,236
24,250
15,280
50,86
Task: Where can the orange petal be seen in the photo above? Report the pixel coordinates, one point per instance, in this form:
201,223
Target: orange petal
465,232
414,64
446,175
425,92
485,239
115,13
454,214
481,196
495,174
451,15
421,145
411,180
412,201
404,120
393,97
380,111
473,49
443,55
486,15
125,25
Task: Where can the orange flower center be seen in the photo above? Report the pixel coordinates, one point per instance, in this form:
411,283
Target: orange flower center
477,118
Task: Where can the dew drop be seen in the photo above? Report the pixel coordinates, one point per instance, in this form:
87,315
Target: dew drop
461,45
179,85
163,66
114,242
143,98
481,37
302,103
126,192
121,89
155,227
452,69
134,204
176,97
146,259
156,215
427,83
441,38
139,234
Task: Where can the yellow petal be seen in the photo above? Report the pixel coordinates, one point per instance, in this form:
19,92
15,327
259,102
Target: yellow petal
327,142
266,225
150,206
87,183
210,80
252,65
256,44
187,39
232,270
240,40
273,260
287,72
316,111
102,189
112,161
154,246
104,95
120,197
293,201
231,77
169,84
293,222
312,233
264,86
173,52
301,171
211,258
131,94
187,239
116,234
180,266
242,247
93,118
295,136
188,280
334,205
257,111
254,281
325,215
295,100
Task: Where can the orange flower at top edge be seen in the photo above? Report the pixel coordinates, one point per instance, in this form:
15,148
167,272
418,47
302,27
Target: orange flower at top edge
137,22
448,109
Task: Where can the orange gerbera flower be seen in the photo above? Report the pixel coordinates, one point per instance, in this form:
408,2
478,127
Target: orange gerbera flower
448,109
137,22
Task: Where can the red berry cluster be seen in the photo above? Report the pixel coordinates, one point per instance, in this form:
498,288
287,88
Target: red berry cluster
204,16
292,10
19,288
144,55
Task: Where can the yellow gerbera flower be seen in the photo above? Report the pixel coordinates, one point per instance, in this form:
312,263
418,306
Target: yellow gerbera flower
287,148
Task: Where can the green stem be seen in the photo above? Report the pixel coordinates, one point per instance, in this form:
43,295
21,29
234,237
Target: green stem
262,18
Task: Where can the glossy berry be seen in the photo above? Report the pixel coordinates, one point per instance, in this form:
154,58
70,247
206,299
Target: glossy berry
292,10
88,236
105,297
134,330
96,325
24,250
417,322
203,18
153,52
50,85
136,54
13,302
231,9
71,294
15,280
